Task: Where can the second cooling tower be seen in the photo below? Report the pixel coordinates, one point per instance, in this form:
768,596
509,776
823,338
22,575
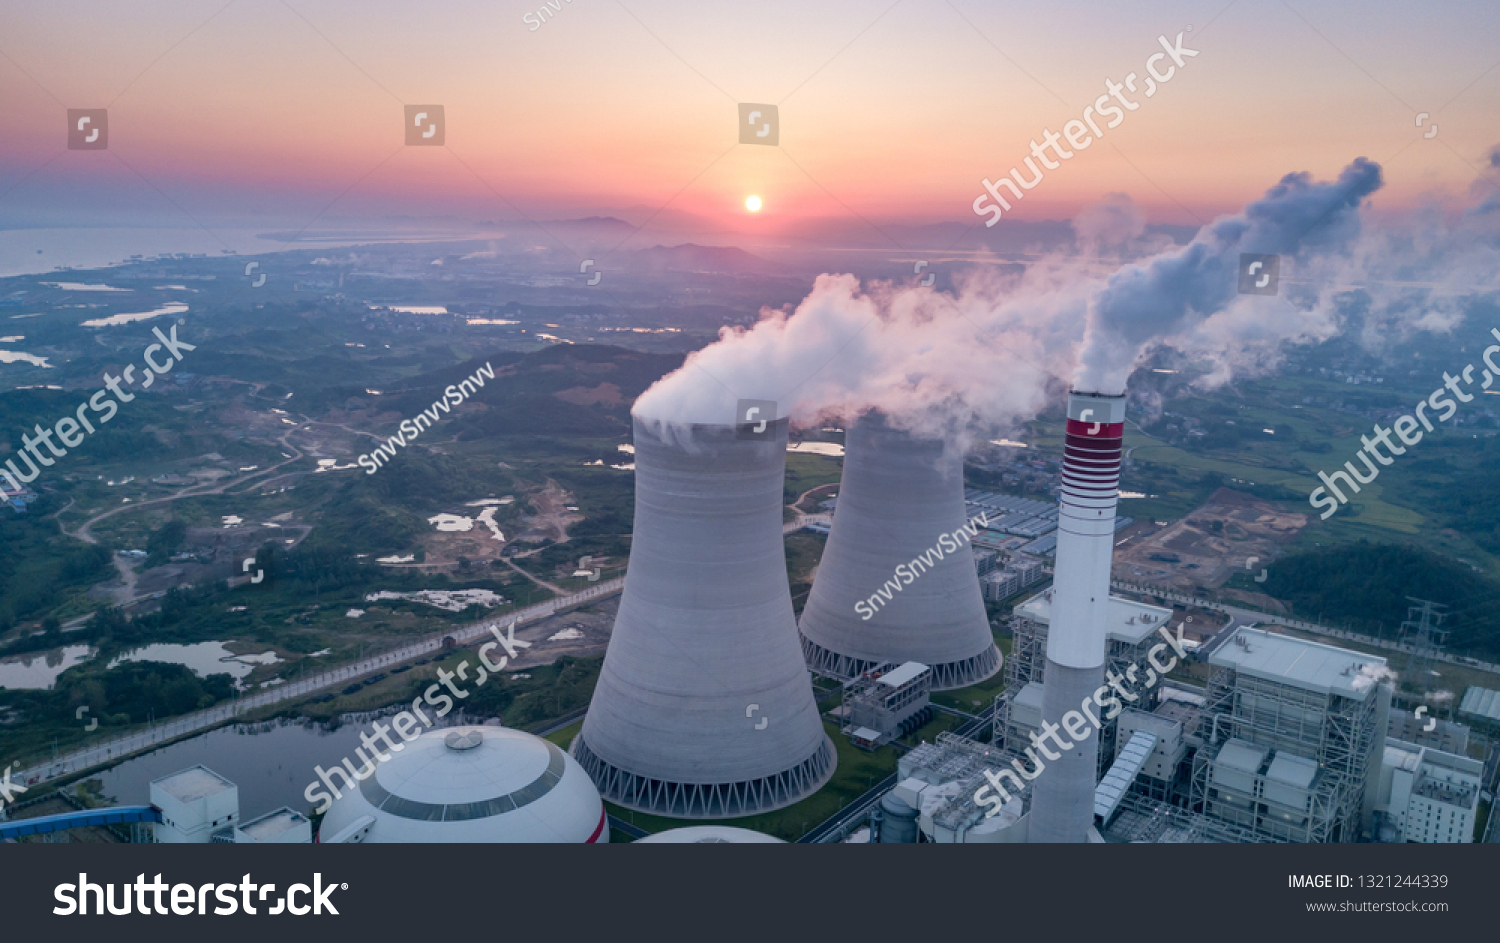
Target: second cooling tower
704,707
901,498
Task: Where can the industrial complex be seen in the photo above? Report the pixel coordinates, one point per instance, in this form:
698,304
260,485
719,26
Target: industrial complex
715,702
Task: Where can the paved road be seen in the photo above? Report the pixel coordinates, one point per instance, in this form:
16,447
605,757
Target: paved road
181,726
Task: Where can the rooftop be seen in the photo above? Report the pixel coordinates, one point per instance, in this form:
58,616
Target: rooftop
1311,666
1129,621
1482,702
271,824
899,676
193,783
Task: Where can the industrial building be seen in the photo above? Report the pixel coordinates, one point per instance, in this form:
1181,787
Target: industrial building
1482,707
704,706
888,703
1286,744
195,804
283,826
1018,572
900,505
1293,733
1446,735
1426,795
470,784
1131,631
934,801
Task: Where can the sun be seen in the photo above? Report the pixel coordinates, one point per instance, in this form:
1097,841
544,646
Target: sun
753,204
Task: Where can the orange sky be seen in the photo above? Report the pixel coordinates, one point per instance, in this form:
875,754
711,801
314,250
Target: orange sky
886,112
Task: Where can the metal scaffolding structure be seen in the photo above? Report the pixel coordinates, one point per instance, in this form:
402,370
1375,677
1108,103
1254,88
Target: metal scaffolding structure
1026,663
1339,734
1027,660
956,759
1155,822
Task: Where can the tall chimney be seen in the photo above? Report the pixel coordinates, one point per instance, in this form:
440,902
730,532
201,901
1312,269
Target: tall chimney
704,707
899,497
1062,804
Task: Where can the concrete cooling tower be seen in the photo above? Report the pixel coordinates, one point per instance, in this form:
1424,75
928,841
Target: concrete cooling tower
704,707
899,500
1062,800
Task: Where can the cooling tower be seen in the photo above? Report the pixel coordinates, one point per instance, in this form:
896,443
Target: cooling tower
1062,802
900,504
704,707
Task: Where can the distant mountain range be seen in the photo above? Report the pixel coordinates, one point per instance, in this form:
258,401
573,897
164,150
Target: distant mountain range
689,257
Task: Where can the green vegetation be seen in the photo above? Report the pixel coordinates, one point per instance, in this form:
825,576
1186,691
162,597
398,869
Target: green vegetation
120,697
41,571
805,471
1364,586
803,551
165,541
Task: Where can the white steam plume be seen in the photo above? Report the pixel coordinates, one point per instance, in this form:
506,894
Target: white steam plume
1176,291
990,355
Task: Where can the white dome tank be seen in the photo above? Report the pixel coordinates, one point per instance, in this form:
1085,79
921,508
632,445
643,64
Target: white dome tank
471,784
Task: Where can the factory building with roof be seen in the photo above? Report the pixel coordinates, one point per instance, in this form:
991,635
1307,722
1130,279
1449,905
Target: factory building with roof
1426,795
1131,632
1294,732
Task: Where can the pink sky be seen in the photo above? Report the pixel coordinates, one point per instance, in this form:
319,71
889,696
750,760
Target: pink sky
887,112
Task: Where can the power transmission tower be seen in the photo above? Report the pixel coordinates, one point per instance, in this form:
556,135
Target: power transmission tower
1422,631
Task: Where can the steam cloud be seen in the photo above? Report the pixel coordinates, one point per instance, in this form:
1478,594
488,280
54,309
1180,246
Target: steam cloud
1176,290
991,354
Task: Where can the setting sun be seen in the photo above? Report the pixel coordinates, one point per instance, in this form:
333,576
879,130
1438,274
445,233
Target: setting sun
753,204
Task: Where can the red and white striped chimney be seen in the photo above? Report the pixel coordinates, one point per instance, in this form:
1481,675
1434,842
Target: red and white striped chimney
1062,807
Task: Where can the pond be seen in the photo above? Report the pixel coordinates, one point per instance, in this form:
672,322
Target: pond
40,671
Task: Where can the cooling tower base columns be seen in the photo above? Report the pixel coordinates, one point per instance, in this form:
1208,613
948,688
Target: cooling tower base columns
945,677
1063,808
707,800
